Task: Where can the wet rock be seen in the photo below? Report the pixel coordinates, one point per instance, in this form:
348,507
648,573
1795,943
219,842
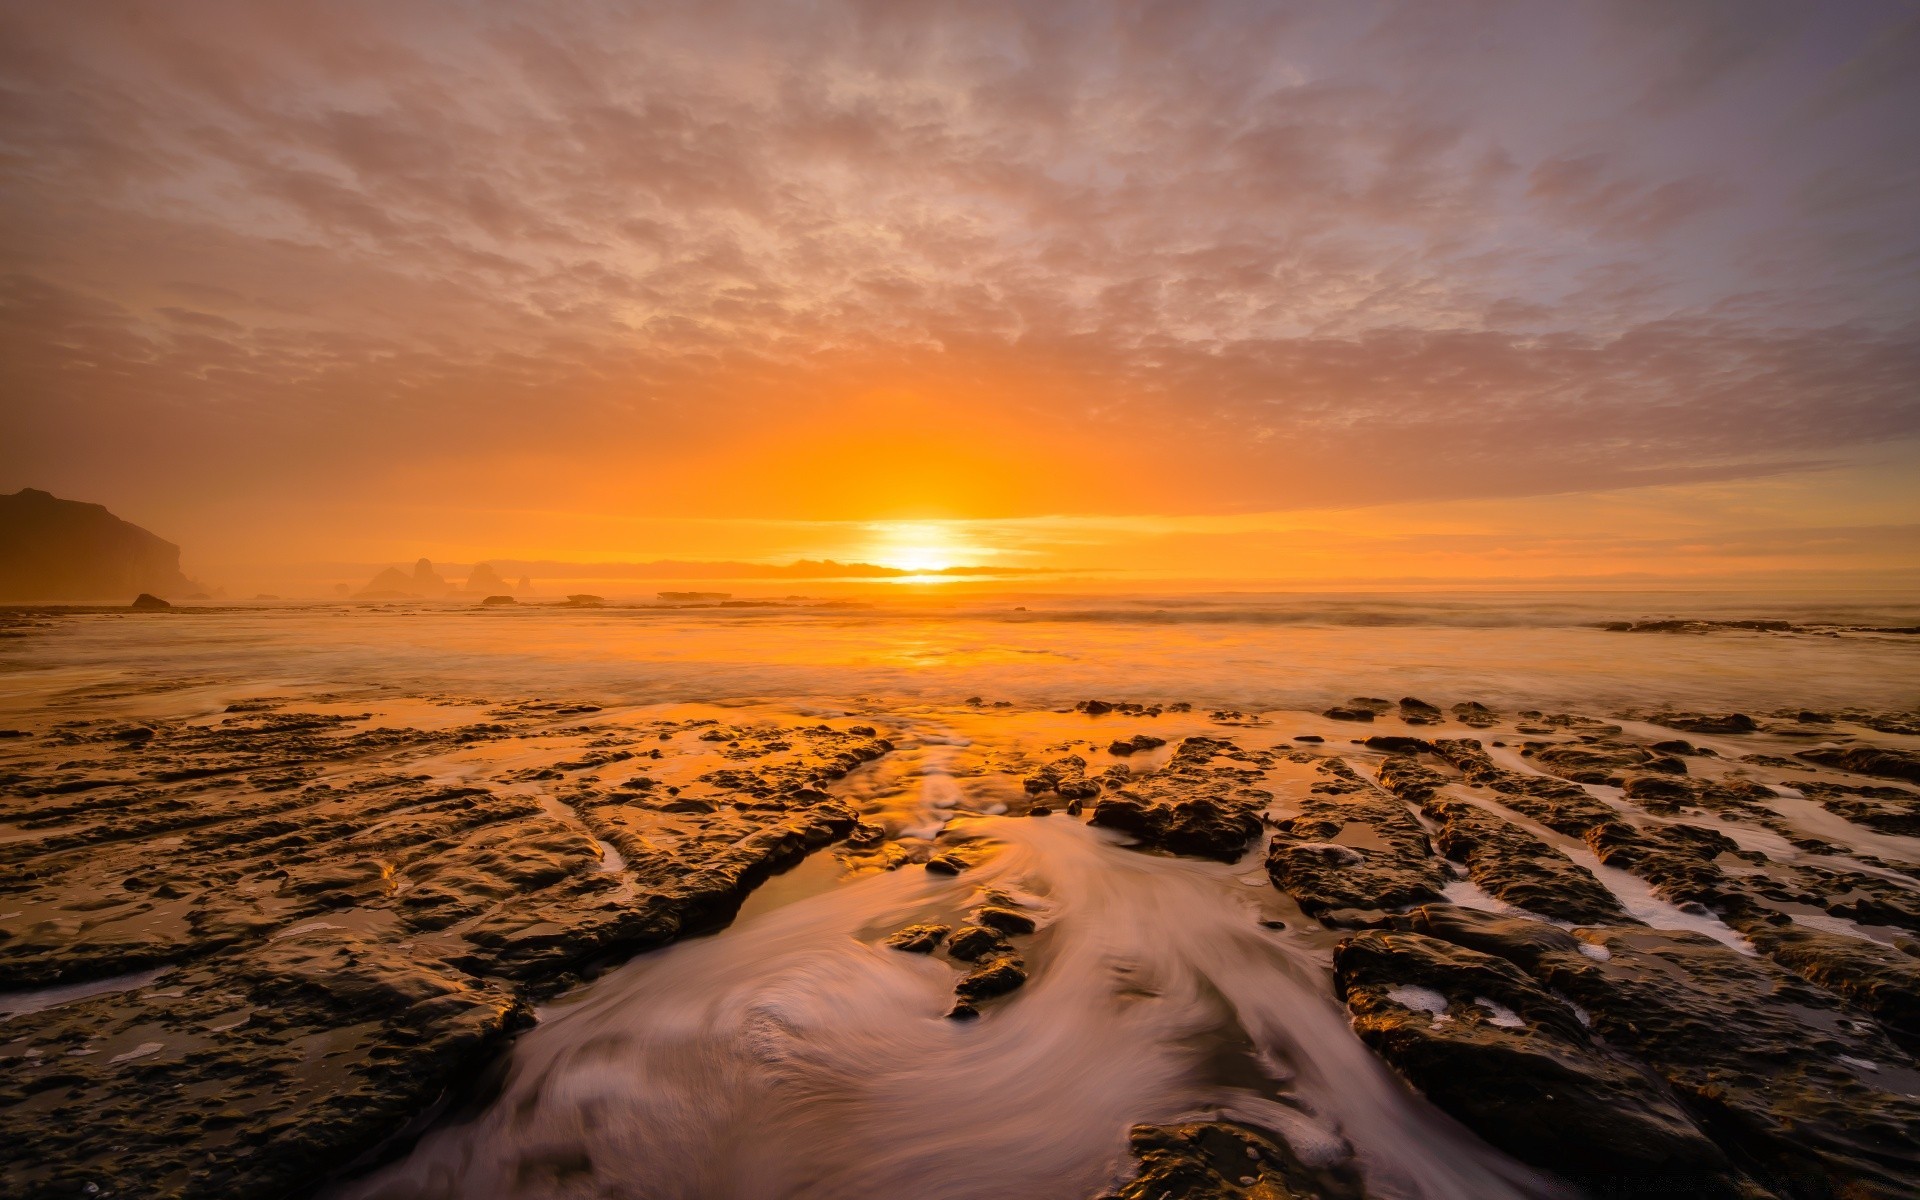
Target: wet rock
1604,761
1135,744
1877,979
498,601
1764,1060
947,864
1308,737
1887,809
1395,744
1501,1054
1418,712
1006,920
1891,763
1475,714
1342,712
344,945
970,943
1500,856
1353,847
1188,807
1692,722
1065,777
146,600
1217,1160
919,939
995,976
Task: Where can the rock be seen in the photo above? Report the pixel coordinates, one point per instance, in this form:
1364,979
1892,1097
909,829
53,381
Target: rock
947,864
1889,763
1394,744
919,939
1706,723
1135,744
973,942
1308,737
1189,806
206,847
1346,713
1603,761
1877,979
1498,1052
1475,714
146,600
1887,809
1501,857
63,551
498,601
1006,920
1763,1058
1382,860
1418,712
585,600
994,977
1217,1160
1065,777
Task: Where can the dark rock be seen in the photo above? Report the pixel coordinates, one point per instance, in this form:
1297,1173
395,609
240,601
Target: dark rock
1345,713
1395,744
147,601
1875,978
1190,806
1135,744
1513,1063
1752,1050
498,601
1216,1160
1475,714
970,943
1501,857
947,864
1006,920
1706,723
919,939
994,977
1308,737
1868,760
54,550
1383,860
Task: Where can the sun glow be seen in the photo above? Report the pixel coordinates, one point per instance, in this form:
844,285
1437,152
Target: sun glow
919,546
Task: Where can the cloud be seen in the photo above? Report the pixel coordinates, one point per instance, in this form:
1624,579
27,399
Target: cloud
850,259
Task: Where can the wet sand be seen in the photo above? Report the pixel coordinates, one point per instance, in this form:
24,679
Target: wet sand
1368,898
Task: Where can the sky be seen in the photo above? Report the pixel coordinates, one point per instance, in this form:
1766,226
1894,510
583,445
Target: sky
1228,291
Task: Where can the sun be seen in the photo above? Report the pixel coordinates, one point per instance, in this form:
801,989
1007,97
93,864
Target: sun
916,546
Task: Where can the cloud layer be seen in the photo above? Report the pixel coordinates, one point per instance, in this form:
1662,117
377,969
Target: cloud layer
867,260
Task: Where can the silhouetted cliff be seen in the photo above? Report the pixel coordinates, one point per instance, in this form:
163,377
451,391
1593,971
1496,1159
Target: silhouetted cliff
64,550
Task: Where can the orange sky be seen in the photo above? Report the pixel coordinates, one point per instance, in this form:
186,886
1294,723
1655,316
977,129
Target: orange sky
1210,291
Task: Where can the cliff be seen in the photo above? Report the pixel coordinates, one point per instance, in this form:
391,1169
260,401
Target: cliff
54,550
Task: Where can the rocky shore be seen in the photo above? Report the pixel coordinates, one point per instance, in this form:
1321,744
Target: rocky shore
1649,952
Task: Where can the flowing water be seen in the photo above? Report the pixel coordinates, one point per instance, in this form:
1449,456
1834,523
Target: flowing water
794,1056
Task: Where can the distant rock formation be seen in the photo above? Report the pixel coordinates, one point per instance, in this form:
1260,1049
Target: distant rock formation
496,601
427,581
149,600
423,583
390,584
54,550
695,597
484,581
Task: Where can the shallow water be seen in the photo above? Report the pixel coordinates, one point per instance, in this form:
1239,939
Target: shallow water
794,1057
1245,652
